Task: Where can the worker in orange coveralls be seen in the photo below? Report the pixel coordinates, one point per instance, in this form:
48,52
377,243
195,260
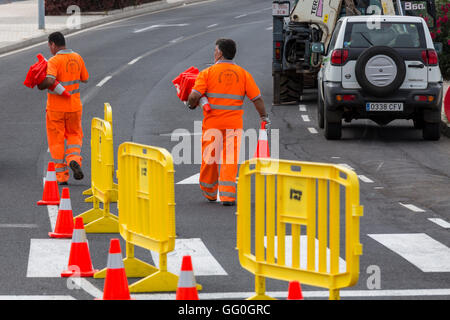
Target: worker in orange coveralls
225,84
63,114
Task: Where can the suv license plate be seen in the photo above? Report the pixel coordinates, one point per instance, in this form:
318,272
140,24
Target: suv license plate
384,106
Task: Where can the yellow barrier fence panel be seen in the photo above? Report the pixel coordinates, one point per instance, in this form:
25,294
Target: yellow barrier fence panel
147,213
89,192
295,221
101,220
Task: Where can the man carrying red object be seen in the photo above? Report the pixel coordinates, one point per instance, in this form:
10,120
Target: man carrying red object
225,84
63,113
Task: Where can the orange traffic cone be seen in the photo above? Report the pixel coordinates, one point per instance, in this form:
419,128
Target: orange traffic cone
51,192
262,148
116,283
80,264
59,89
295,291
187,288
64,222
204,104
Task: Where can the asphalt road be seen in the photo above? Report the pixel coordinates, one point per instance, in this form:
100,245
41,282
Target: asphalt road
397,168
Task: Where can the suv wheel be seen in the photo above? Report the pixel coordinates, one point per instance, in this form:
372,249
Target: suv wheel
431,131
320,119
333,130
380,70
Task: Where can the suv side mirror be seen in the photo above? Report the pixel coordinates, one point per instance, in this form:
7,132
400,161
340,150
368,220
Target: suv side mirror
438,47
318,47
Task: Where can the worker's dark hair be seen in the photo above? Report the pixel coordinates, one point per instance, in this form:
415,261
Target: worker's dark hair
228,48
57,38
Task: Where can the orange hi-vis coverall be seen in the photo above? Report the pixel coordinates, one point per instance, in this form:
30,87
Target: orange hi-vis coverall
64,114
226,85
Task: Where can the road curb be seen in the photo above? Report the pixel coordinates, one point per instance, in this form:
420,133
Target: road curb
116,15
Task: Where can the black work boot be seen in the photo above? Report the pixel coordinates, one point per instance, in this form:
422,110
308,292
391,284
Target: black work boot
228,203
77,172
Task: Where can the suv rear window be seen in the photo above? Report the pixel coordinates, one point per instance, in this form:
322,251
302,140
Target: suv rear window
394,35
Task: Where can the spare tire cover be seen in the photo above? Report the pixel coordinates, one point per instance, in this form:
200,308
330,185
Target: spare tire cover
380,70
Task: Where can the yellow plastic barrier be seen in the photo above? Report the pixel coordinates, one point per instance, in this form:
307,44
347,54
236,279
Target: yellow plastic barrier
100,220
294,196
147,213
89,192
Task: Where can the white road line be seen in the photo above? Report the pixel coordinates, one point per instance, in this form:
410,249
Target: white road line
419,249
13,225
176,40
305,118
105,80
302,108
241,16
303,253
191,180
346,166
365,179
53,215
335,157
204,263
412,207
212,26
180,134
440,222
306,294
312,130
43,297
134,60
379,188
155,26
269,28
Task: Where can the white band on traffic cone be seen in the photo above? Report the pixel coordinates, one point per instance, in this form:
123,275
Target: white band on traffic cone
79,236
186,280
263,134
51,176
115,261
65,204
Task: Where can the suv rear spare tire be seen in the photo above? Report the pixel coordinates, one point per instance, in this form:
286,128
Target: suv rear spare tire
380,70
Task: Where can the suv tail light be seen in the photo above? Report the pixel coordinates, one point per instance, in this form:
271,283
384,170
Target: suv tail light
430,57
339,57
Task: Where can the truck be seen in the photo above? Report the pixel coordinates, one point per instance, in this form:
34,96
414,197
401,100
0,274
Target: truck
299,25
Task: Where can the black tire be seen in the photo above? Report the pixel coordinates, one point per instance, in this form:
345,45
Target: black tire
333,130
276,88
291,88
361,74
320,116
431,131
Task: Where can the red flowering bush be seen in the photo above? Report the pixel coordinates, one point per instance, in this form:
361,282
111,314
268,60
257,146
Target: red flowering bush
59,7
442,34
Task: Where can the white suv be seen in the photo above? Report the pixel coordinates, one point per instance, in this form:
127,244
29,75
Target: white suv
380,68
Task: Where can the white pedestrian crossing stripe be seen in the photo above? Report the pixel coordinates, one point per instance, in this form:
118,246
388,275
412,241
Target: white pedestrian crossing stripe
303,253
421,250
48,257
191,180
203,261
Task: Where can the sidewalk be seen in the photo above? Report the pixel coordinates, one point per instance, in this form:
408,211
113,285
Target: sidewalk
19,21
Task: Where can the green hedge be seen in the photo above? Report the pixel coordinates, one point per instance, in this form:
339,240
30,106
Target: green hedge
59,7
